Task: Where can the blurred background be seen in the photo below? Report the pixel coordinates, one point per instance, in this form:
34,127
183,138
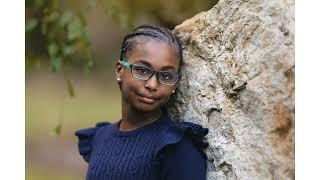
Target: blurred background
71,50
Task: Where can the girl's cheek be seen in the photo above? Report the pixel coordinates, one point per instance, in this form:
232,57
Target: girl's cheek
165,98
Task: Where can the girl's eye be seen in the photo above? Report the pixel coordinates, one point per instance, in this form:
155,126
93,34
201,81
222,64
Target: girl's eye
141,70
166,76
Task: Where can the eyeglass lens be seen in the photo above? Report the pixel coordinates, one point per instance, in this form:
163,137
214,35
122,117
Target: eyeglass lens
144,73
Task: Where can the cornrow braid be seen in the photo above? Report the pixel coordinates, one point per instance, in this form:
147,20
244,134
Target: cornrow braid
152,32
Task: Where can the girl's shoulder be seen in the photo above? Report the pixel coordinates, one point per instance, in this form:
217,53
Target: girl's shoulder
86,137
173,133
180,151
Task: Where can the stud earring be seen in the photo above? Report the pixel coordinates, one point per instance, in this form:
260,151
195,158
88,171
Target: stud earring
173,91
118,79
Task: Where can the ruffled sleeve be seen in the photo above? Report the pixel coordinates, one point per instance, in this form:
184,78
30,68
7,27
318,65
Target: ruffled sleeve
86,137
180,149
176,132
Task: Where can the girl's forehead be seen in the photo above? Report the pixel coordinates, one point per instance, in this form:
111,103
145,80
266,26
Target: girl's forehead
158,54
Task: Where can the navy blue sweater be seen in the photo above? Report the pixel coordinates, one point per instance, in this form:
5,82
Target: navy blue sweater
163,150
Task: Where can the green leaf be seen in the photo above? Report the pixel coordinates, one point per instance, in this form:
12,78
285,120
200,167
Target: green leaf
56,63
53,16
31,24
53,49
74,29
68,50
66,18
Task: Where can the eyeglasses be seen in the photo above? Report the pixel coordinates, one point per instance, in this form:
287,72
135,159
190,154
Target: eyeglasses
144,73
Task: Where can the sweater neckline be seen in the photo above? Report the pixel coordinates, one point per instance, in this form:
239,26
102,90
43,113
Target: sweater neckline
117,132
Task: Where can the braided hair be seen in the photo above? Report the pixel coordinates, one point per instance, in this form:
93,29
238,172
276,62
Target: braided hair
143,32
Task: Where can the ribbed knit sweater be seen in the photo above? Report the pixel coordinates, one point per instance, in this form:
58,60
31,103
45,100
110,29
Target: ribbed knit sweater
163,150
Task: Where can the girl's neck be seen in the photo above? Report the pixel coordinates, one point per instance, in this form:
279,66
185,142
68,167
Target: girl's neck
133,119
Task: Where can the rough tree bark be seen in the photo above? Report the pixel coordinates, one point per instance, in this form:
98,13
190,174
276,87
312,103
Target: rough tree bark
238,80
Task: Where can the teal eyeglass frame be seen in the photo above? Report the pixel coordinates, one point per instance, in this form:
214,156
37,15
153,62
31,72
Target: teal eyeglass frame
128,65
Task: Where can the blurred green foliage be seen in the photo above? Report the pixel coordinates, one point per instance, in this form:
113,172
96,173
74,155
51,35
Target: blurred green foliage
56,30
57,33
169,13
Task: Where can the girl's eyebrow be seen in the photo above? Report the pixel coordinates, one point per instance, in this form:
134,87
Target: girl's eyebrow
144,62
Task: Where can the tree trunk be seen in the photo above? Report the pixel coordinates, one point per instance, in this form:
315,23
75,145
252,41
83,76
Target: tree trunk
238,80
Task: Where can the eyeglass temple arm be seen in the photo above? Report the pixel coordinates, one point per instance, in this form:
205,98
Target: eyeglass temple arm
125,64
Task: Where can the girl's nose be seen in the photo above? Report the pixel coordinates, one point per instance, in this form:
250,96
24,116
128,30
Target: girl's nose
152,84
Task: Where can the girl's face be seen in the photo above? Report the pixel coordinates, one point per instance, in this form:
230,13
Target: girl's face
148,95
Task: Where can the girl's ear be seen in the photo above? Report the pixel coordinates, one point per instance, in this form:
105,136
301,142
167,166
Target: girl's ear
118,71
174,87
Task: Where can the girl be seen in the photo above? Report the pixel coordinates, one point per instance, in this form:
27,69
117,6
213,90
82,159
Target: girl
145,143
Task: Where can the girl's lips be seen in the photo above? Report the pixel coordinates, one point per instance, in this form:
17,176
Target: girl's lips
147,99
